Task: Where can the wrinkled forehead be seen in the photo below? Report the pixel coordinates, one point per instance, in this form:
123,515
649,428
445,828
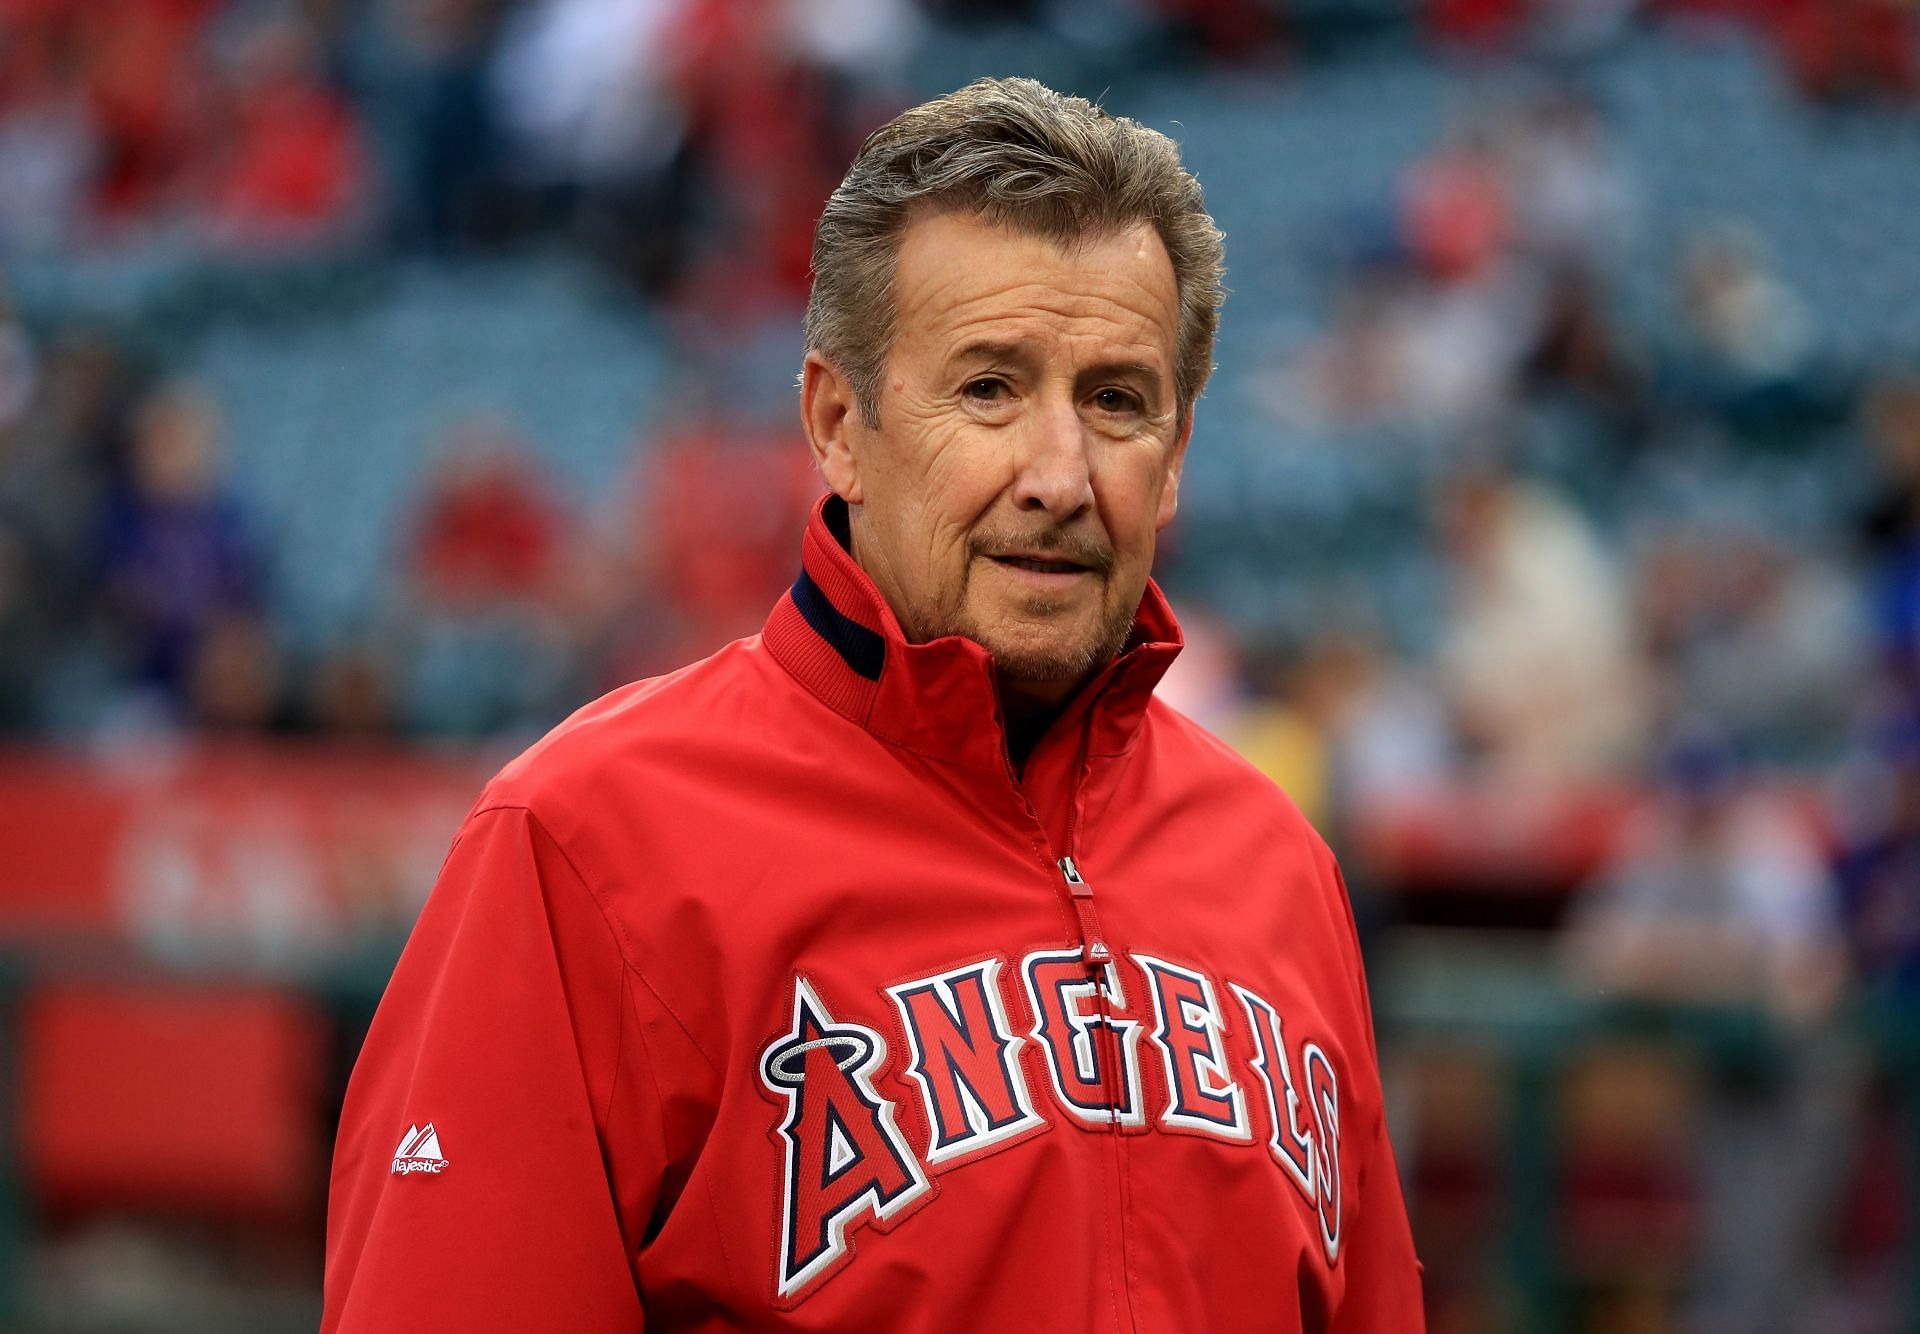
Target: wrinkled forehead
961,279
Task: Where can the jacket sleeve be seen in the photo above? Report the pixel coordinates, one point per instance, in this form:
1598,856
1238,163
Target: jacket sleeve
1383,1277
501,1029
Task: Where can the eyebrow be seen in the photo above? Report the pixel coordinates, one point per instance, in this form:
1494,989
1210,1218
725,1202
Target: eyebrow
988,349
1121,370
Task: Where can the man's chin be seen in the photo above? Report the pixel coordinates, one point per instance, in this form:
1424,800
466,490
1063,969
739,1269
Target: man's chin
1050,657
1029,667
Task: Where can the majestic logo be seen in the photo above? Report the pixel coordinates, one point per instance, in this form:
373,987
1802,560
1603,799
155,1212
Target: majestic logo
975,1071
419,1151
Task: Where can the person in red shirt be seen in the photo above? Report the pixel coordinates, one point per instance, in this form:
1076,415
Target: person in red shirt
908,965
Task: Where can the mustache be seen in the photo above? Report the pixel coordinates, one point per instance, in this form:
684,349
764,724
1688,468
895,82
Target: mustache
1054,543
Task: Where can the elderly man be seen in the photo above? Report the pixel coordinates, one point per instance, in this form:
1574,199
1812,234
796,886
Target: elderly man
907,966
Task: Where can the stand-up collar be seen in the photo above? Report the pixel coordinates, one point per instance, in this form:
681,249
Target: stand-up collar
841,640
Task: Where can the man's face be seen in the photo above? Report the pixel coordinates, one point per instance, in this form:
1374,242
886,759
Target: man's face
1026,452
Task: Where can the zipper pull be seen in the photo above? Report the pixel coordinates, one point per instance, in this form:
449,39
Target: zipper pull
1079,888
1096,951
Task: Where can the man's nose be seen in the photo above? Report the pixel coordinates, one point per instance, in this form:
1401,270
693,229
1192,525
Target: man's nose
1052,473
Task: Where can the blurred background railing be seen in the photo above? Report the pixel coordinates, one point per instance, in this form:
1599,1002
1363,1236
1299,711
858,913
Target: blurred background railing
381,379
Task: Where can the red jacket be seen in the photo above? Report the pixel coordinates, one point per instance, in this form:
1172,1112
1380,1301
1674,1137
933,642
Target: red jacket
767,995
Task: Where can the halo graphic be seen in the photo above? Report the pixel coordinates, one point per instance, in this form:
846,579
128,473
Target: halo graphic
856,1048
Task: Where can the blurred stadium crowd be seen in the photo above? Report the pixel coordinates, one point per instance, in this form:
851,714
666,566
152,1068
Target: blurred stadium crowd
400,372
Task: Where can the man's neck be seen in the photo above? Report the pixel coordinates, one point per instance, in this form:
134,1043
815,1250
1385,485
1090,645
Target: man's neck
1027,710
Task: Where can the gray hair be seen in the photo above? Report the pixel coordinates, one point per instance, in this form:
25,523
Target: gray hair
1020,155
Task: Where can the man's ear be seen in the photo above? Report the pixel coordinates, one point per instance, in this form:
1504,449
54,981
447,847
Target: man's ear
831,415
1176,460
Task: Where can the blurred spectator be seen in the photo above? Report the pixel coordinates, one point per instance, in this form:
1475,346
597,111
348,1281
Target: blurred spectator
1467,318
1843,51
1489,284
176,556
119,121
290,169
19,368
778,97
1341,723
587,100
1574,204
88,388
715,508
1755,636
1746,321
1456,205
145,69
1890,524
1406,348
1460,346
50,145
423,67
1880,868
1485,24
1209,683
24,635
1837,51
488,531
1717,895
1537,661
584,88
1228,31
1580,356
351,697
234,682
484,642
871,44
1351,373
51,462
1722,898
1387,734
1748,344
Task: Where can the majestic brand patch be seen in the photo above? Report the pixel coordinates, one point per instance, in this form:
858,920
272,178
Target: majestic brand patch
419,1151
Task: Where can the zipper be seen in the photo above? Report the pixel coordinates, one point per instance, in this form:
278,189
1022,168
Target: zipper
1093,944
1094,950
1098,957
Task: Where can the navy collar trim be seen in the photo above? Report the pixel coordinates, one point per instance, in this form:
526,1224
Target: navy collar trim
863,650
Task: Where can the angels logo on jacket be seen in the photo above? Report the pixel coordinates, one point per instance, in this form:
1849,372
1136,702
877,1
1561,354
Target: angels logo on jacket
846,1162
845,1156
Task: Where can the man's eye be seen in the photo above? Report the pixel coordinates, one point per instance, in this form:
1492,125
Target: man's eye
1115,400
986,389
